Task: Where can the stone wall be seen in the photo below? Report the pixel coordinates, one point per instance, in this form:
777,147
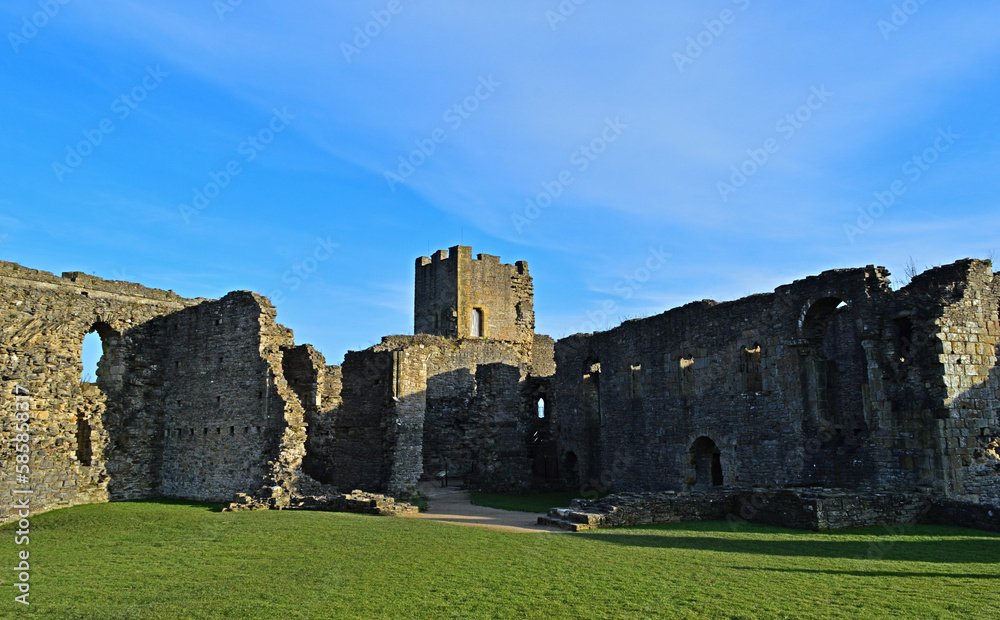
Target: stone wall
769,389
807,509
357,435
413,406
190,399
833,381
44,320
216,388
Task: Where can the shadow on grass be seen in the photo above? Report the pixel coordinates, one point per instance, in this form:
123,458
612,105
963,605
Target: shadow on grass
209,506
976,548
873,573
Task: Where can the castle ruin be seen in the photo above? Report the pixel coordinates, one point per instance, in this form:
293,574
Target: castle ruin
831,382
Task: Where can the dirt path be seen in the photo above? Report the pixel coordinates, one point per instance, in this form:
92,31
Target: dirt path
453,505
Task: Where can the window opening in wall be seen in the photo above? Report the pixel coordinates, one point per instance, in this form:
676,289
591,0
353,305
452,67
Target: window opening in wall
751,369
93,350
541,407
592,395
84,451
635,380
232,430
686,375
476,324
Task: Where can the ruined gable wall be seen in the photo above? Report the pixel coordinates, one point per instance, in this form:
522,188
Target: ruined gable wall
967,389
44,320
665,381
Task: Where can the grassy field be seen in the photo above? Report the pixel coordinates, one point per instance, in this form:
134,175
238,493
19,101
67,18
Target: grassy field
526,503
183,560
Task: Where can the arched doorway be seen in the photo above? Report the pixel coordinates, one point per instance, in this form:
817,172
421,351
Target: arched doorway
707,462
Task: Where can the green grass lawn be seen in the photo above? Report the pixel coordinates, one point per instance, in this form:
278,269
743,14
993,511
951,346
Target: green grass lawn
182,560
527,503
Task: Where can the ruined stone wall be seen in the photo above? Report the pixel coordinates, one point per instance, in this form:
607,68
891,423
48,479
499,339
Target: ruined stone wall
417,403
190,399
777,386
451,285
43,322
543,356
965,344
221,399
357,439
318,389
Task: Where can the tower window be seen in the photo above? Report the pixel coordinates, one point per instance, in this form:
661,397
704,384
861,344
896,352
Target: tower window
476,323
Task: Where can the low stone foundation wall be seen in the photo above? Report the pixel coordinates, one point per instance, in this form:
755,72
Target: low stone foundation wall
830,509
625,509
808,509
355,501
964,514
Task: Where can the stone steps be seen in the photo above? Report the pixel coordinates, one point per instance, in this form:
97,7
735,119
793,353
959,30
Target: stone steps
572,520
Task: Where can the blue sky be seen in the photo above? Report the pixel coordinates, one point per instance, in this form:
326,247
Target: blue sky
669,153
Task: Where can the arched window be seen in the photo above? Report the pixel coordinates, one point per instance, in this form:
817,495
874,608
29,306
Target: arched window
93,349
541,408
476,323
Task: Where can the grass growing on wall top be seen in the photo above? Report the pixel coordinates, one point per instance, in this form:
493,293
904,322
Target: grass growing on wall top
185,560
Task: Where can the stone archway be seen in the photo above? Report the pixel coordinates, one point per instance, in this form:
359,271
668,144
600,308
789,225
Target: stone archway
706,460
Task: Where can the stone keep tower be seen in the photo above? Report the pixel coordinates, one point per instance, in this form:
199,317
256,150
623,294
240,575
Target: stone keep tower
457,296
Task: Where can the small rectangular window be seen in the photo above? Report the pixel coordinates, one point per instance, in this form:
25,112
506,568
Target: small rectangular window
635,380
